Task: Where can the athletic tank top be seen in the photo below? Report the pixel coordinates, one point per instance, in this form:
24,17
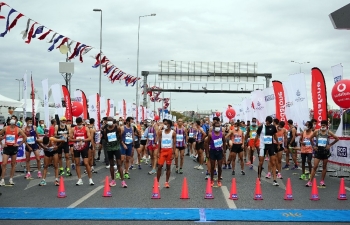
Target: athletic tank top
252,131
167,140
112,137
11,136
307,148
151,136
180,137
62,133
31,135
80,134
127,135
192,133
237,136
216,141
199,136
322,139
280,137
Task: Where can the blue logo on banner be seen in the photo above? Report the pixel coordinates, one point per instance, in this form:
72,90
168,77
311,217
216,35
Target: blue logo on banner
342,151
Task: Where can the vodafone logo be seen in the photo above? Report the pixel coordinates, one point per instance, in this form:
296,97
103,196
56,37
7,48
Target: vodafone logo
341,87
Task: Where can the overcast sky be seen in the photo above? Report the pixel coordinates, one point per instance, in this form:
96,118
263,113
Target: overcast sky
270,33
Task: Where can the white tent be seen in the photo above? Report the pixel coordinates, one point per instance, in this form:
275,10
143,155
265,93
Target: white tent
8,102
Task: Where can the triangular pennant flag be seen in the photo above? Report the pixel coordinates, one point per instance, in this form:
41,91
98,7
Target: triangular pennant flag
38,30
42,37
63,41
53,44
74,51
69,46
7,22
51,40
25,32
14,22
31,31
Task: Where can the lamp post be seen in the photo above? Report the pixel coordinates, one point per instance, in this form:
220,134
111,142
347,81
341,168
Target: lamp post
138,53
99,81
300,63
19,88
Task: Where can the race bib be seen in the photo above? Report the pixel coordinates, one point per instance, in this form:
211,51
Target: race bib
280,139
267,139
166,143
143,137
322,142
50,149
80,144
238,139
179,137
112,137
150,137
30,140
190,135
136,138
218,143
307,142
128,140
288,135
253,134
10,139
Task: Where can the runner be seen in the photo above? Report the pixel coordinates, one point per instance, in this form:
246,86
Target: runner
306,149
31,146
127,145
62,132
282,141
113,136
80,136
200,145
192,133
227,143
11,134
291,135
143,141
215,144
322,150
166,150
41,129
52,128
151,144
181,137
104,141
266,134
237,138
252,143
92,146
137,147
50,154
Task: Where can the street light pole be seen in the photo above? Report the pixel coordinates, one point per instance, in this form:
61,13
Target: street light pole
19,88
99,81
138,53
300,63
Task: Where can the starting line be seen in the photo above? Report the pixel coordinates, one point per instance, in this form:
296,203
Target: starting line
176,214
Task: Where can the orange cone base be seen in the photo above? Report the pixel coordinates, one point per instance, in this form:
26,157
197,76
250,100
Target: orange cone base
289,197
155,196
209,196
315,198
342,197
258,197
107,194
61,194
233,197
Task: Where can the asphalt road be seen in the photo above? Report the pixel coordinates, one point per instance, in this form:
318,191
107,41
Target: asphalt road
27,193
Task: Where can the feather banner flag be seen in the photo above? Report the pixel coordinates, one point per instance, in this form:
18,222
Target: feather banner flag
319,96
7,22
67,99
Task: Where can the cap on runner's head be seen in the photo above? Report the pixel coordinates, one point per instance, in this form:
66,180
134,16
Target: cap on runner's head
63,118
87,122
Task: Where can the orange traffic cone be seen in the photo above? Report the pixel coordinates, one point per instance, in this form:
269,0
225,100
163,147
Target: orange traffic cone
184,191
107,189
233,192
155,193
289,193
61,189
314,191
342,191
258,194
209,191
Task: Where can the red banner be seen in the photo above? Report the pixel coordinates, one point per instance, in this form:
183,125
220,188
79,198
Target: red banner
98,107
67,99
124,109
33,100
280,102
319,96
85,107
108,107
143,114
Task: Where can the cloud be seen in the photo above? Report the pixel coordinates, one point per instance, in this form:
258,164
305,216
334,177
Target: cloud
271,33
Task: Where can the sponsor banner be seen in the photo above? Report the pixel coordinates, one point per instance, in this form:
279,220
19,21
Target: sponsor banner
289,101
33,100
45,84
112,108
270,104
81,97
103,107
337,71
25,93
93,108
340,152
120,109
129,110
67,99
280,102
319,96
108,108
56,92
259,105
124,109
300,100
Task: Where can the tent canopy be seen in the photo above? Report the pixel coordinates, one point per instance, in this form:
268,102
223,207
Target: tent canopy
8,102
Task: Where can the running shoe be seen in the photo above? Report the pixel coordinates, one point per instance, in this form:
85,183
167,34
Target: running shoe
93,170
115,167
2,182
85,172
126,176
152,172
322,183
69,174
124,184
117,175
61,172
242,172
196,167
295,167
200,167
251,167
302,177
207,176
176,170
266,158
11,181
275,183
224,167
215,173
286,166
72,166
39,174
98,159
279,176
139,166
131,167
146,162
245,160
57,183
268,175
181,171
229,166
233,172
308,184
79,183
166,185
219,183
42,183
108,166
28,176
91,182
144,158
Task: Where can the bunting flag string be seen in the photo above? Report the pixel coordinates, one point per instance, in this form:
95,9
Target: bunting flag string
35,30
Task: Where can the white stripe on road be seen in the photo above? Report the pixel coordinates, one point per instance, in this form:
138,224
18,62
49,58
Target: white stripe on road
81,200
347,188
230,203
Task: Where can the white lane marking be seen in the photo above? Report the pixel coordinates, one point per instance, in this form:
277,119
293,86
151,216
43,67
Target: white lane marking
347,188
230,203
81,200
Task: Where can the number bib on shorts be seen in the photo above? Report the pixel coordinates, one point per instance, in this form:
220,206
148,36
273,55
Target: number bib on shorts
280,139
322,142
112,137
267,139
179,137
30,140
218,143
166,143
